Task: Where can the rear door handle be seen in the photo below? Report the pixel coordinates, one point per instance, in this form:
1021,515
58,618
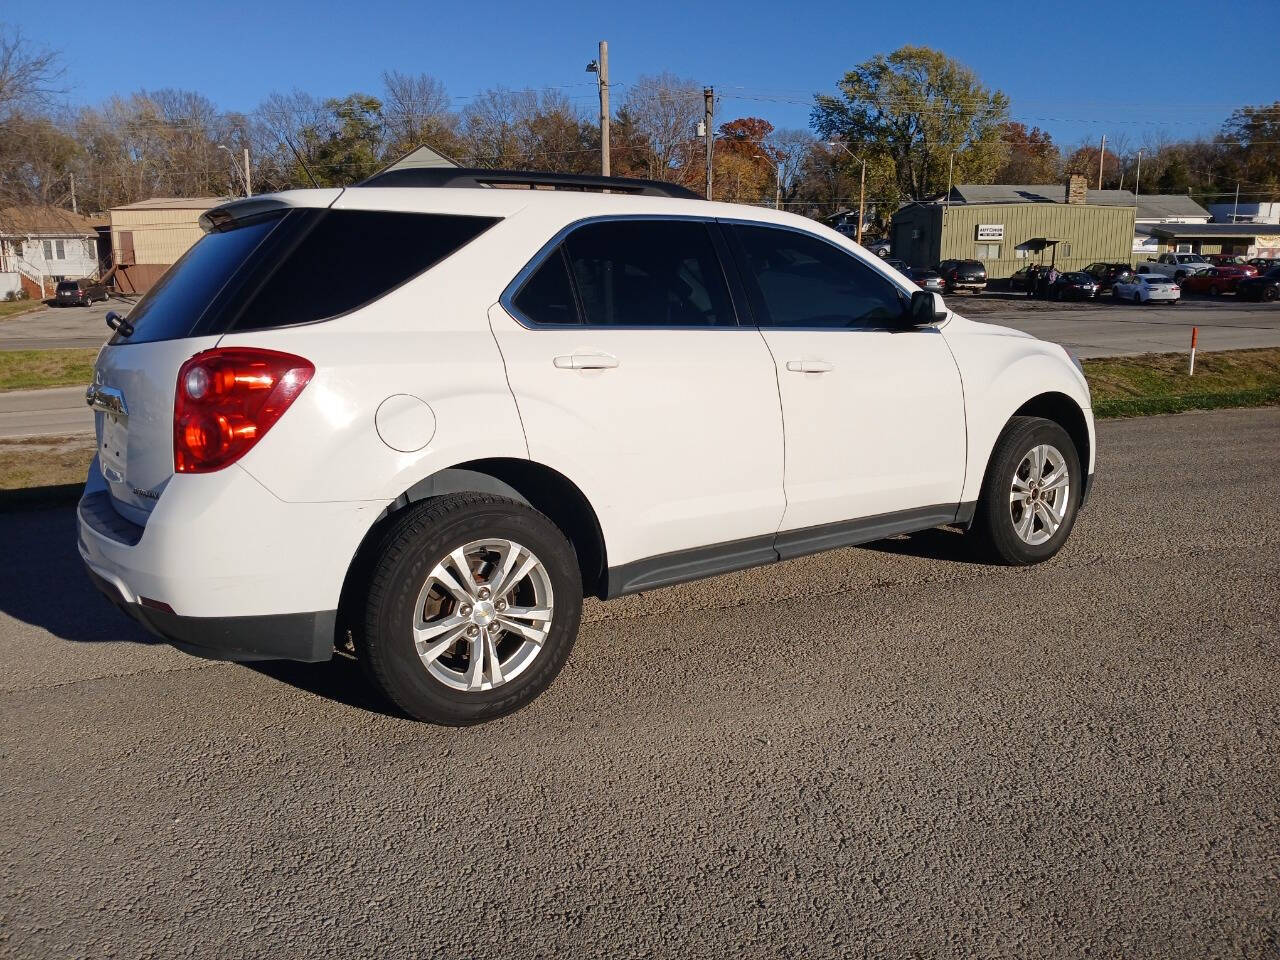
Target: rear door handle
586,361
809,366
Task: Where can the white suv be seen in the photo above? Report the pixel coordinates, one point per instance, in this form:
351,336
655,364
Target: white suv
426,418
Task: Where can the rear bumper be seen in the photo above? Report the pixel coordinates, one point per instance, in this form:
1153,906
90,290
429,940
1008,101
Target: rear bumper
223,568
307,637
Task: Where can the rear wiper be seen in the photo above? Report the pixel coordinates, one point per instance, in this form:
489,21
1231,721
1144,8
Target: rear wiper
119,324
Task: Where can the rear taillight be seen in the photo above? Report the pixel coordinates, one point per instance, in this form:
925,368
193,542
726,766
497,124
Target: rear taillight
226,401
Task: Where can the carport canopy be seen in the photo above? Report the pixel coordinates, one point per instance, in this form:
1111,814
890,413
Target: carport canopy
1040,244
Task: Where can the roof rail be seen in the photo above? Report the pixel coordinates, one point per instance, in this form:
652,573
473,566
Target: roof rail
531,179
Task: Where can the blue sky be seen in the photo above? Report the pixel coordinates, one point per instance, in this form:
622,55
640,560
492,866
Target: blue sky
1174,68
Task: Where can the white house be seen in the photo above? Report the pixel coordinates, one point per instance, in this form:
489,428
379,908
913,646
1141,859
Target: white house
40,246
1246,212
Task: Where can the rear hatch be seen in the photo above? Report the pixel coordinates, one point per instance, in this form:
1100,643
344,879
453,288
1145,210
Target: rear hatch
971,271
263,263
187,311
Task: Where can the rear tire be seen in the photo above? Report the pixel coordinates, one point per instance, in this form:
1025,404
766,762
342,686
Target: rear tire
1269,294
1015,486
448,647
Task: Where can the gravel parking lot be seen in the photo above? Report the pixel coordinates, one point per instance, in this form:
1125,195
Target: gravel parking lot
875,752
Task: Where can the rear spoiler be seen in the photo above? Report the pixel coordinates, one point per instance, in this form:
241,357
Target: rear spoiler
227,215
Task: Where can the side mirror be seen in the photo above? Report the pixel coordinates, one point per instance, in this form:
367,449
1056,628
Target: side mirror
926,308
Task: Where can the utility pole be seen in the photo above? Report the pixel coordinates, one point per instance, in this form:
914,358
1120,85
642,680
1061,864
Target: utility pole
248,190
603,77
1234,210
862,200
708,110
1102,155
1137,180
75,209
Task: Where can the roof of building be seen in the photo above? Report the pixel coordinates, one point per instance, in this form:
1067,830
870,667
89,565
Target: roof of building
1158,206
33,220
1033,193
175,203
1208,231
422,156
1151,206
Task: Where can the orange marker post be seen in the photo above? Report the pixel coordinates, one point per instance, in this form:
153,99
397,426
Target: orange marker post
1191,369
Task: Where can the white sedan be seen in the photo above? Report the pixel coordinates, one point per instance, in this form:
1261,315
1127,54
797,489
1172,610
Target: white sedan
1147,288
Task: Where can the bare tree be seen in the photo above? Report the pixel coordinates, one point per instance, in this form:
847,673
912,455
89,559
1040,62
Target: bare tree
664,111
29,75
416,109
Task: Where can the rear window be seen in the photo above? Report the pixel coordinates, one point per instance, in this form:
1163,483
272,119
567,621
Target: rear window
295,267
67,285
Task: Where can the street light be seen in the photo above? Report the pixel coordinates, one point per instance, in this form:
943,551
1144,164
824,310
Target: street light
862,188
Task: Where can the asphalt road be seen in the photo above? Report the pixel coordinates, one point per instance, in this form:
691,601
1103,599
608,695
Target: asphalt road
1104,328
60,411
874,752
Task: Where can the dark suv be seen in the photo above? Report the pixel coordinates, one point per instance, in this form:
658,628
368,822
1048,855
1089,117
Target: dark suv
963,275
1107,275
79,293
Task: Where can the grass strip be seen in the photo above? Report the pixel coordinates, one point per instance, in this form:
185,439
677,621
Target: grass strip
1158,382
37,369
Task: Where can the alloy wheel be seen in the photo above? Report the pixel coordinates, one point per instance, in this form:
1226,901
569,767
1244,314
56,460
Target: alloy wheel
483,615
1039,494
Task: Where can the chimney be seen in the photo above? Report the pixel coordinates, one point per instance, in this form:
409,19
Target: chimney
1077,189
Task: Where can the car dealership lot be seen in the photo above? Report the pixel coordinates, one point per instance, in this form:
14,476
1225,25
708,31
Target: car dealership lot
878,751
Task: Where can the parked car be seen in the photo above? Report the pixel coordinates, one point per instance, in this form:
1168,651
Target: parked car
79,293
1176,265
1148,288
1105,275
1263,287
963,275
897,264
1226,259
500,401
1019,278
1076,285
1263,264
925,278
1216,281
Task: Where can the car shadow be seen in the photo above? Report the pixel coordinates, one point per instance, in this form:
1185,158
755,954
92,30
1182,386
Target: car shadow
45,584
937,543
340,680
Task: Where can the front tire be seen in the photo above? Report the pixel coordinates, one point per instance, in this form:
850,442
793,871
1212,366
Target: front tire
1030,494
473,605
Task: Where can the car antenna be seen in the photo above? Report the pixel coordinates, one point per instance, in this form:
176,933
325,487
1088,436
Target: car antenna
302,163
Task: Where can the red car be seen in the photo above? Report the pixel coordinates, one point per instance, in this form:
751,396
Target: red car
1217,280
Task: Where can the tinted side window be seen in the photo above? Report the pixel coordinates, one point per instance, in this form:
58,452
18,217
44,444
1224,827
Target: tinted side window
807,282
661,273
547,296
344,259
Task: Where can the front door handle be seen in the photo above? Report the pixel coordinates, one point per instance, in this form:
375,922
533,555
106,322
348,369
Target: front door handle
586,361
809,366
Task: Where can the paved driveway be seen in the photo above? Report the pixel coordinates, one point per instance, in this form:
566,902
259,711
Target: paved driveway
885,752
60,327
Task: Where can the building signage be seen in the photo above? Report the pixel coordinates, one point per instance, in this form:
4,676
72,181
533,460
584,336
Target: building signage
989,232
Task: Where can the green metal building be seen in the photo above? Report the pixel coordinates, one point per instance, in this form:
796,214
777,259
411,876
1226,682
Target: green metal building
1066,225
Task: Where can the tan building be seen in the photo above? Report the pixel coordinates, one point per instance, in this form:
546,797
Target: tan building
1008,227
149,236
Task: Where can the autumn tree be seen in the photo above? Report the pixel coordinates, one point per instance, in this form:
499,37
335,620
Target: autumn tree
1250,143
662,112
1031,156
916,108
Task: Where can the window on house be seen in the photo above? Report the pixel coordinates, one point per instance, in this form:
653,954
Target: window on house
55,250
1020,253
1184,248
1064,249
986,251
48,250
